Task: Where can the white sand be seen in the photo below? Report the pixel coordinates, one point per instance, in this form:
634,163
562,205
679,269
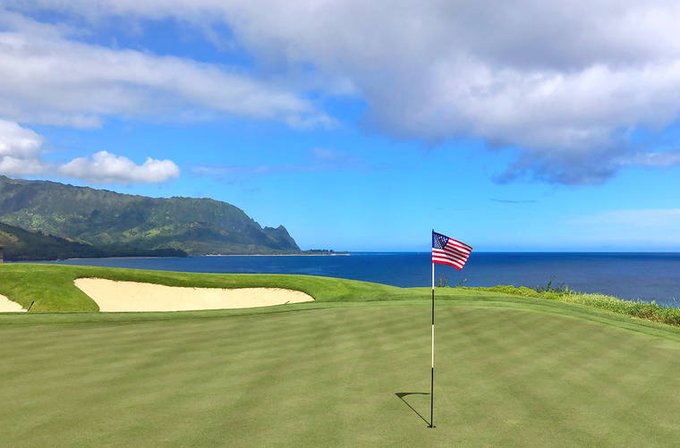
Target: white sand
115,296
7,306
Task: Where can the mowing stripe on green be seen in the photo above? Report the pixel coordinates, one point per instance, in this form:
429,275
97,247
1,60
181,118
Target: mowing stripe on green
329,377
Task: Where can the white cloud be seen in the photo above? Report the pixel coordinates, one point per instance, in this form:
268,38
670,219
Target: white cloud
13,166
22,154
17,141
48,77
20,150
106,168
564,81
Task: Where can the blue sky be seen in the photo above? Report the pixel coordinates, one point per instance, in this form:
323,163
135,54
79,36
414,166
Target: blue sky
525,128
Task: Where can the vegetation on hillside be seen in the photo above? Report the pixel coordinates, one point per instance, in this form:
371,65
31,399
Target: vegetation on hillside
22,245
106,219
635,308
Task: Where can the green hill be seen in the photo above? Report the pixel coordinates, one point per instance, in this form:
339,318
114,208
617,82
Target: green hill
103,218
21,245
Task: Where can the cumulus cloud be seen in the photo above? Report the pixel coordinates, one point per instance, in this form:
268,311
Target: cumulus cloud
22,154
20,150
106,168
18,141
563,82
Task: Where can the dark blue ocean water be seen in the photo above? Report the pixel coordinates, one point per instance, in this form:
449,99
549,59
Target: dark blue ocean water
642,276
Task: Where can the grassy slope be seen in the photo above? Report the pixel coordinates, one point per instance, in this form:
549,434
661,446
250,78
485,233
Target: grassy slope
52,288
511,371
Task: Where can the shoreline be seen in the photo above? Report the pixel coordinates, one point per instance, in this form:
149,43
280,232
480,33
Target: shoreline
353,253
613,274
339,254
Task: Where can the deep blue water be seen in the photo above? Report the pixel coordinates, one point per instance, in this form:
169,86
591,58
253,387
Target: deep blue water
642,276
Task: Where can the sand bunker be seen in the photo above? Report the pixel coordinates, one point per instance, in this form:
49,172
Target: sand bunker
7,306
115,296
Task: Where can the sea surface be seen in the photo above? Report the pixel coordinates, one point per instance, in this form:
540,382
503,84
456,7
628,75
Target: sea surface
644,276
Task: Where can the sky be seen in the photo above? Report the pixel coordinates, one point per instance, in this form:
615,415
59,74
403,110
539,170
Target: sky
361,126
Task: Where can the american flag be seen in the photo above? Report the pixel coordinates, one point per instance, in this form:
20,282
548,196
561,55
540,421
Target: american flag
446,250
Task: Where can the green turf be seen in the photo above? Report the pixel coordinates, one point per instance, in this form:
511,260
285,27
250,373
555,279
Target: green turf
50,288
511,371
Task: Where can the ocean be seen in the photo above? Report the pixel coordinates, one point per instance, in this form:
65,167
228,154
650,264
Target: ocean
643,276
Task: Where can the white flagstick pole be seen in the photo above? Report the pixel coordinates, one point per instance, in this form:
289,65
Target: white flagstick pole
432,376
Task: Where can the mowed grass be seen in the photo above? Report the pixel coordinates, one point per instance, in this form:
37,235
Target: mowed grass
511,371
331,377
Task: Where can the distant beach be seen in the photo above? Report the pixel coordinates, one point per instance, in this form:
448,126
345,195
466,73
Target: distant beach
302,254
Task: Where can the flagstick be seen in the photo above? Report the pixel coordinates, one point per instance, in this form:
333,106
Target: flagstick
445,250
432,376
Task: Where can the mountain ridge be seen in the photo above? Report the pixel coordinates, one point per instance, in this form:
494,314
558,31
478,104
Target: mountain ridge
197,226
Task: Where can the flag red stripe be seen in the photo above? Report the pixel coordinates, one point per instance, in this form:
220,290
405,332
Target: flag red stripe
436,256
460,246
448,263
460,243
454,251
448,253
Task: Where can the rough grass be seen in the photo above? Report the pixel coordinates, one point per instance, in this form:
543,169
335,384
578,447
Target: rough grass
635,308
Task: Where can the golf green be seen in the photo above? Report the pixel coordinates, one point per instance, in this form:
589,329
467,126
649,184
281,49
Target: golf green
510,372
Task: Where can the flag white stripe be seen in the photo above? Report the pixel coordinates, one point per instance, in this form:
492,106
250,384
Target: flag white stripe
455,253
461,246
453,250
458,265
448,261
447,256
454,246
457,256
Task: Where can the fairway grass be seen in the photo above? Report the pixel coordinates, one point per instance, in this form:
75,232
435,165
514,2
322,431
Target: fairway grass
341,371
